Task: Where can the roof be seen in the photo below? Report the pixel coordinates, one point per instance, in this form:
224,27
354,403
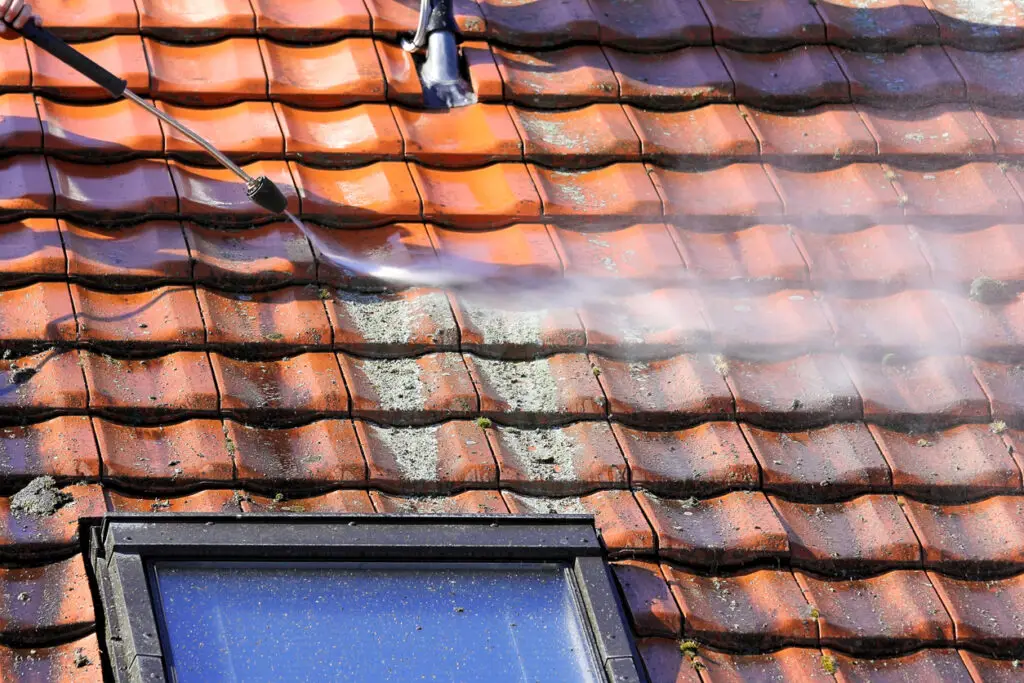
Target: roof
794,406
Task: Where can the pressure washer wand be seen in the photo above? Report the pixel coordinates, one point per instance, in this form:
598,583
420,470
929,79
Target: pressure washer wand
260,190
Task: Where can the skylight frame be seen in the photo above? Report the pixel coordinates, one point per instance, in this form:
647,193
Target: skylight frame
122,546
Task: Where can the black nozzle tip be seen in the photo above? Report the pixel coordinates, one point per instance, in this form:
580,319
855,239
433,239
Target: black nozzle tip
264,192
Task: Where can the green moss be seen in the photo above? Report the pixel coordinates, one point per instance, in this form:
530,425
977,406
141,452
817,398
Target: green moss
324,293
596,370
997,427
275,336
483,422
689,648
987,290
828,664
815,613
229,443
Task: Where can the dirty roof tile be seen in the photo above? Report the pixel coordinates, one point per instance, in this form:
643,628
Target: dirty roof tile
880,25
920,76
619,520
209,501
183,20
895,611
1003,387
218,195
866,533
400,391
758,255
666,662
992,78
374,194
809,390
987,669
348,501
318,455
163,318
25,185
391,324
972,190
689,77
88,20
858,191
593,136
994,26
833,132
959,256
711,132
78,660
796,663
493,330
915,391
904,323
63,447
435,459
318,76
394,17
1006,128
801,77
975,538
646,324
652,608
950,466
33,529
115,130
399,245
44,383
876,258
465,136
122,55
785,323
994,329
468,502
358,134
668,24
292,389
179,456
728,193
828,463
928,664
639,251
245,131
569,77
20,128
163,387
273,254
207,75
570,460
617,194
706,460
283,319
16,71
48,602
310,20
491,196
733,529
950,130
111,191
36,314
985,613
764,26
149,253
538,24
671,392
759,610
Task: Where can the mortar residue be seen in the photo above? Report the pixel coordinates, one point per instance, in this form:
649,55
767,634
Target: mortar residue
393,319
543,454
397,383
415,450
501,327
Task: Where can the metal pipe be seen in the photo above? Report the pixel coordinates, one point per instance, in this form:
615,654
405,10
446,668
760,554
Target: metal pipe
420,39
195,137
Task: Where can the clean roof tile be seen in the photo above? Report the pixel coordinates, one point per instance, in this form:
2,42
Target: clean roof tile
149,253
319,76
213,74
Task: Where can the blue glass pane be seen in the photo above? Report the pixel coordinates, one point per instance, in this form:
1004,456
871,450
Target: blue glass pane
226,622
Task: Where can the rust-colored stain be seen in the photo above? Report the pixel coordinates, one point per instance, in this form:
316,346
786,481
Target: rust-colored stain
755,300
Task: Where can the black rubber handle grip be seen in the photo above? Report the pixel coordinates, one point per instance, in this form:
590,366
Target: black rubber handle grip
73,58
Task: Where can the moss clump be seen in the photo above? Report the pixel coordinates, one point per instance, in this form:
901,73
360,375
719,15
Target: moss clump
229,443
324,293
997,427
596,370
815,613
689,648
721,365
483,422
828,664
987,290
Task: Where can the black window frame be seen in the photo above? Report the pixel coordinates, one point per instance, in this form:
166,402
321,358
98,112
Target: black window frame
122,546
